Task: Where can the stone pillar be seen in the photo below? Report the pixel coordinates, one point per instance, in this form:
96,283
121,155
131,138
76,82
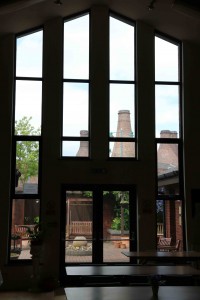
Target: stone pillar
83,149
124,149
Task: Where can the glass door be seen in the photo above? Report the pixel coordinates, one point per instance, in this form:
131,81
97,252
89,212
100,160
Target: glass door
98,223
116,225
79,226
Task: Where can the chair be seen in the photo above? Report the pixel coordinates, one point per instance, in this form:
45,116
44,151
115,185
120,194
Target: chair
164,243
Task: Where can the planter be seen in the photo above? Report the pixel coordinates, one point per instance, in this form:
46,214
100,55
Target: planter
35,249
117,232
117,244
14,256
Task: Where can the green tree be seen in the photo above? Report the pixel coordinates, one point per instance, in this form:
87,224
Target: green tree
27,152
121,200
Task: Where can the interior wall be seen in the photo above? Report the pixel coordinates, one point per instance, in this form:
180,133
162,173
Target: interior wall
56,171
191,141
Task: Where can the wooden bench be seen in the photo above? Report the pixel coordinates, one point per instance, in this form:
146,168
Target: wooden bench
164,242
175,247
79,228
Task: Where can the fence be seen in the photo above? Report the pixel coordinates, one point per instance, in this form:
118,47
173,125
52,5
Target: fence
80,228
85,228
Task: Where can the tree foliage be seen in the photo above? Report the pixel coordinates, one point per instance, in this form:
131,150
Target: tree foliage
27,152
121,199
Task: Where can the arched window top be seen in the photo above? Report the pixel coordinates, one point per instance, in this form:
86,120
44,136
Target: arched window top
166,60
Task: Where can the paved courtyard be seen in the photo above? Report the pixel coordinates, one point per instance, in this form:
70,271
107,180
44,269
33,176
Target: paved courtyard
110,253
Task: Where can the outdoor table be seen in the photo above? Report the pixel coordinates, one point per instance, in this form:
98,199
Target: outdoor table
130,293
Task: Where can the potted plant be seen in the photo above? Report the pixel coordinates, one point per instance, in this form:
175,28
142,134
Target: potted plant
35,235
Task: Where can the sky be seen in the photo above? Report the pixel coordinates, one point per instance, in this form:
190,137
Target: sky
76,66
28,100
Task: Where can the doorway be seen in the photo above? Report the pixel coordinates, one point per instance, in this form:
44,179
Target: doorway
98,222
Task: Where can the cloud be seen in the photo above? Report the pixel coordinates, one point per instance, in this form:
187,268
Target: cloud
75,108
166,60
29,55
76,48
121,50
28,101
167,108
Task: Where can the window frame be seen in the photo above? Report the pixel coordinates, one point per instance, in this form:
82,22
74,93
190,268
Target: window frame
23,138
133,140
70,80
179,140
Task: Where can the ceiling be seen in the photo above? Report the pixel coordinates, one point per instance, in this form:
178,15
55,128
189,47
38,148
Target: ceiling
178,18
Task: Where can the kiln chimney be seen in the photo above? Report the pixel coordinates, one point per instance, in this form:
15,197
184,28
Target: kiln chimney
83,149
167,153
124,149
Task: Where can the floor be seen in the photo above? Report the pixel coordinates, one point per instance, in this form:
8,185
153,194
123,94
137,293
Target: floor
111,254
55,295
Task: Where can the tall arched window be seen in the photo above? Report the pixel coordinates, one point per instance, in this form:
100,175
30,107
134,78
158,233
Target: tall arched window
168,132
75,129
122,131
27,127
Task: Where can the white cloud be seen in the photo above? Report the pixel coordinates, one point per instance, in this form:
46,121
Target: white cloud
76,48
167,108
29,101
75,108
121,50
166,60
29,55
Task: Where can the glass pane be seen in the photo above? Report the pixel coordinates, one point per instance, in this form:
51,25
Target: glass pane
75,108
166,61
121,149
168,169
29,55
27,161
167,109
78,244
121,50
115,225
28,107
122,110
169,225
25,213
76,48
75,148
